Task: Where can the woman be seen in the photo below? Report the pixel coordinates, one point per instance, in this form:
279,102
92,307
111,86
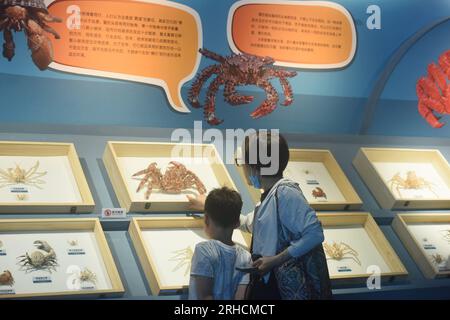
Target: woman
286,234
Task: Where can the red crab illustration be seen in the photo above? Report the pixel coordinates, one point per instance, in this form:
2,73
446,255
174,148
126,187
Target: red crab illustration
236,70
433,91
176,178
31,16
318,193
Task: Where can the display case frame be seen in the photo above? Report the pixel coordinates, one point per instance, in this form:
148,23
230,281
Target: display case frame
38,149
364,219
352,200
417,252
116,149
69,224
147,260
364,165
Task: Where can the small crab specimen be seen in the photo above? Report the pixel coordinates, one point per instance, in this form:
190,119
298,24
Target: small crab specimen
17,175
6,279
30,16
437,259
319,193
411,182
340,252
433,91
72,243
183,257
44,259
176,179
21,196
238,70
87,275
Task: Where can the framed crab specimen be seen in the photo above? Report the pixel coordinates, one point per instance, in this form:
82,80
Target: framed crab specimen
353,243
42,177
424,236
405,178
165,245
149,176
323,182
40,261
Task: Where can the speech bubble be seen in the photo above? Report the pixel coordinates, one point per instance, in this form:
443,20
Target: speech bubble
154,42
313,34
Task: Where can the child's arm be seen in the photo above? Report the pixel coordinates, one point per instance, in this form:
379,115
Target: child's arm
204,287
241,292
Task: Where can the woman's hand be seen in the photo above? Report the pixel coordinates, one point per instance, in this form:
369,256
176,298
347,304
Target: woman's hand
197,203
265,264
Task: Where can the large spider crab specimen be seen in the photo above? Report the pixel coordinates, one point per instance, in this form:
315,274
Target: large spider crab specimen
176,179
32,17
44,259
237,70
341,251
17,175
433,91
411,182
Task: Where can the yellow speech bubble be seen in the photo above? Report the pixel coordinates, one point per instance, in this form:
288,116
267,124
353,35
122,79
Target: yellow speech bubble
299,34
145,41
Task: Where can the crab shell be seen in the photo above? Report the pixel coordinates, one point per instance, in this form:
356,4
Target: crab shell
36,4
37,259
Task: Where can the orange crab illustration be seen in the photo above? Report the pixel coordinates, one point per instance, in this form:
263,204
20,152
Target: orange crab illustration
433,91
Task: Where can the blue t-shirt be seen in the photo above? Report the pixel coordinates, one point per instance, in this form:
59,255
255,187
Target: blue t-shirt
214,259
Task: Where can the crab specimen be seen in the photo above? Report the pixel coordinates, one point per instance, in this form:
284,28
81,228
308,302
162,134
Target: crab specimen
32,17
17,175
433,91
87,275
237,70
340,251
44,259
6,279
21,196
319,193
72,243
176,179
446,235
437,258
411,182
183,257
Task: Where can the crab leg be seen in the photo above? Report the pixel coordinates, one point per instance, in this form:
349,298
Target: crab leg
196,87
232,97
212,55
209,109
287,89
269,104
8,45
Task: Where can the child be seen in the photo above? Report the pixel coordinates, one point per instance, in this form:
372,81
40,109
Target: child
213,269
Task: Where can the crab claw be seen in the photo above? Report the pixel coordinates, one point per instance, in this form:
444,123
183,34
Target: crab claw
212,120
42,245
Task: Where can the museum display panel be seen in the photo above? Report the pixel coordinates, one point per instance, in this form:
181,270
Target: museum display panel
405,178
152,176
56,258
42,177
165,247
353,244
321,179
426,236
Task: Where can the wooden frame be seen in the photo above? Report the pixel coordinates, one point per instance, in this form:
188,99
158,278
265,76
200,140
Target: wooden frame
364,164
416,250
75,224
145,256
364,219
352,200
116,149
20,148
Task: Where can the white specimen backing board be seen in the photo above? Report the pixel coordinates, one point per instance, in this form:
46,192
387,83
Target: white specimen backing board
60,184
318,176
358,239
64,279
434,238
163,244
131,165
423,170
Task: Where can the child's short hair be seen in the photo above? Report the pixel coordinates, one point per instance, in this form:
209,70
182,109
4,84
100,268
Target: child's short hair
223,206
